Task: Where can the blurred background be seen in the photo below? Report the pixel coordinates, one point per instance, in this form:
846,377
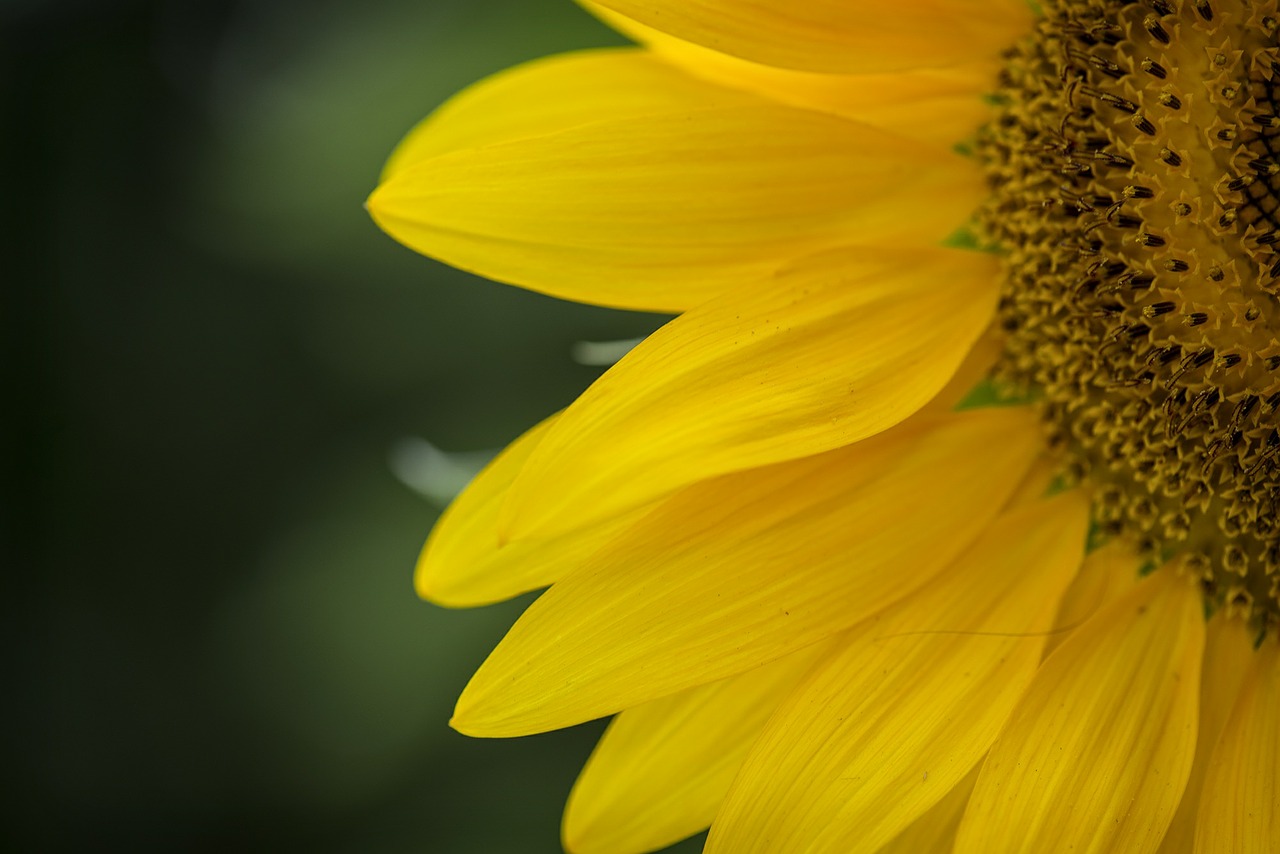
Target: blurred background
233,409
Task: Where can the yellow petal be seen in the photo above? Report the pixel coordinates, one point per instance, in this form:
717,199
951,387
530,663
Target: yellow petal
1096,756
463,563
553,94
935,831
1036,484
681,192
838,348
1228,653
744,569
886,728
455,567
838,35
1106,574
1240,807
976,365
661,769
942,105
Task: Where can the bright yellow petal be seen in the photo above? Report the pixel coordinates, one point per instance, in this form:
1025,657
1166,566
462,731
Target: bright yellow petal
463,563
976,365
1097,754
553,94
839,35
661,769
1107,573
744,569
886,728
1240,807
838,348
1228,655
682,192
935,831
456,562
1037,482
942,105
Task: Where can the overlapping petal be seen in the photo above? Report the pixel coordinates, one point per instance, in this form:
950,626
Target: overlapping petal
759,476
839,347
1228,655
672,193
464,564
975,367
838,35
1240,805
457,564
553,94
746,568
935,831
884,729
1096,756
940,105
662,769
1107,574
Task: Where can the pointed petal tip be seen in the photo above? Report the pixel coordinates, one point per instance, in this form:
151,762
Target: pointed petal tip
571,836
430,590
582,842
460,727
459,723
477,723
375,204
477,715
386,207
423,588
447,588
429,584
576,832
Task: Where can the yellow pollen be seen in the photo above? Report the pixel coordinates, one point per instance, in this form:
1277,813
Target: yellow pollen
1135,168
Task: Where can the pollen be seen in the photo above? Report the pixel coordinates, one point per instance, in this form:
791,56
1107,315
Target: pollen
1135,174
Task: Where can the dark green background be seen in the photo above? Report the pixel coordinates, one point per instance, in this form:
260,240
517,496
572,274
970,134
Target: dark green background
210,351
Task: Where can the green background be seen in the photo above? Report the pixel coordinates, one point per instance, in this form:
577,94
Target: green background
211,357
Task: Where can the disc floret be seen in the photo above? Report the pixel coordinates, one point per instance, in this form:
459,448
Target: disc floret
1135,168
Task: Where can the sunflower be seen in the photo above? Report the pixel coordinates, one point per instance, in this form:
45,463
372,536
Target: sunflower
942,517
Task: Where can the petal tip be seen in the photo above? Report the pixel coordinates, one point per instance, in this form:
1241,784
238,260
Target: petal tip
375,204
448,588
474,717
430,590
570,839
428,583
474,725
461,724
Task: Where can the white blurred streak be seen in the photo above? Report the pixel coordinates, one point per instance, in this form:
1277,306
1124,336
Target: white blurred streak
601,354
435,474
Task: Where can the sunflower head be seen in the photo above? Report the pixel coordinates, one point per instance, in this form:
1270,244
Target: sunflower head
1135,182
942,515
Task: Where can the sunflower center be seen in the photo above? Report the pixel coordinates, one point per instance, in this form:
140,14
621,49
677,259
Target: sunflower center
1135,165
